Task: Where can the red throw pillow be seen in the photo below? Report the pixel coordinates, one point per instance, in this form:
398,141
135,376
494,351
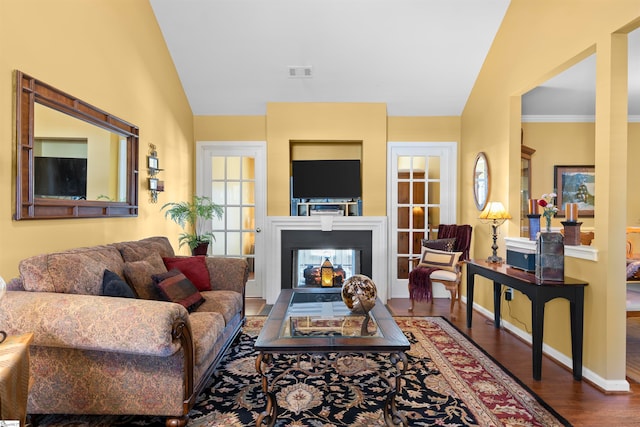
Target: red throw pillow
194,268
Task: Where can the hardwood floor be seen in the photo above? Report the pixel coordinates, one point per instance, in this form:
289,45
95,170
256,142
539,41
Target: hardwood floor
577,401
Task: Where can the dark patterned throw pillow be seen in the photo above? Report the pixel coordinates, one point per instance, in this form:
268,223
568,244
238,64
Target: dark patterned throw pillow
440,244
114,286
175,287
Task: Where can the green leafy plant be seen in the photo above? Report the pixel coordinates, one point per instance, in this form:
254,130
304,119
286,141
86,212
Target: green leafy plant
194,214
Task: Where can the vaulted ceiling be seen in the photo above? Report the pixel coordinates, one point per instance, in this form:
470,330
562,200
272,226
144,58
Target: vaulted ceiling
419,57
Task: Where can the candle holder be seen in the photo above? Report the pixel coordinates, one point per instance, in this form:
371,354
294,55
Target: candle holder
534,225
572,233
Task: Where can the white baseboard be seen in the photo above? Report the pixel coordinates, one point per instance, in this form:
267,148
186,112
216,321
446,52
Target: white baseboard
597,380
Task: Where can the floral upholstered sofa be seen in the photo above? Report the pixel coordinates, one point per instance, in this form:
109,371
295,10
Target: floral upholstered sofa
98,354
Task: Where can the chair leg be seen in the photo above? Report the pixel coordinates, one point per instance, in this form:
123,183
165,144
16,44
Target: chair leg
454,296
412,301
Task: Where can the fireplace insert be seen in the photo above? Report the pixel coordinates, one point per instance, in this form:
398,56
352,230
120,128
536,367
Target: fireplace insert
304,251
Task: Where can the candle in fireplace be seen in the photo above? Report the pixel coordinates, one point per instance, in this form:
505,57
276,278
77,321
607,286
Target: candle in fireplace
326,273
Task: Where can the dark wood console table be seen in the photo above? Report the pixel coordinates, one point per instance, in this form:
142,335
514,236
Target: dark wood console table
539,292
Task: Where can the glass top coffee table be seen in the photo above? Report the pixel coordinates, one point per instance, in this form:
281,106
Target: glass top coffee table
314,323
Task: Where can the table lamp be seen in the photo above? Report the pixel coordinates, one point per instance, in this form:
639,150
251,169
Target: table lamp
496,215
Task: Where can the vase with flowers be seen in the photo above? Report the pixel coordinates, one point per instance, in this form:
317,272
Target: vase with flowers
548,208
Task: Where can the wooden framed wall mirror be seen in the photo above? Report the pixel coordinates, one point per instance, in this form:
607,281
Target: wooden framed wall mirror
73,160
481,181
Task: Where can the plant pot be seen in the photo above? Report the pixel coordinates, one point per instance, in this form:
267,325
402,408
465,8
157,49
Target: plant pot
201,249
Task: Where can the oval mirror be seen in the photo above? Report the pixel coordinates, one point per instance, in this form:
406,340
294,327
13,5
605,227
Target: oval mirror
73,159
481,181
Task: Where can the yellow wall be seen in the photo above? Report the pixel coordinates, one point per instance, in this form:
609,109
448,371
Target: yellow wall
229,128
115,58
523,56
355,122
570,143
421,129
363,128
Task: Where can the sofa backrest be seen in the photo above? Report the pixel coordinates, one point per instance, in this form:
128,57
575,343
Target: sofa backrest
137,250
80,271
76,271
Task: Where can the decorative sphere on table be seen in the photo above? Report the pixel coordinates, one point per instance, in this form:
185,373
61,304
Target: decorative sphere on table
359,293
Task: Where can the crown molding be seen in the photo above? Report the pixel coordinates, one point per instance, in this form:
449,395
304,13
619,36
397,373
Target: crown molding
568,118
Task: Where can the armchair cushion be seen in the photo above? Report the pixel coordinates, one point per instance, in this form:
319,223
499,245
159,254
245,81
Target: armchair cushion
114,286
444,260
193,267
175,287
446,275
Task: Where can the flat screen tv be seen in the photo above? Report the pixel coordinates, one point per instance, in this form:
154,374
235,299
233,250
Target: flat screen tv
60,177
326,179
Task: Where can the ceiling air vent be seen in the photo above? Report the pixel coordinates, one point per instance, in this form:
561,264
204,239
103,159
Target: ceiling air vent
300,72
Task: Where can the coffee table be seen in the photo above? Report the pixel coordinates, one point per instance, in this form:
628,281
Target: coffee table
314,323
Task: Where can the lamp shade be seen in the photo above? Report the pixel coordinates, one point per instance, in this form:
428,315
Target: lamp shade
495,211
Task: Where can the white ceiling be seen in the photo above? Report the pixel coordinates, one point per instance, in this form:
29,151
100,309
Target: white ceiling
419,57
572,94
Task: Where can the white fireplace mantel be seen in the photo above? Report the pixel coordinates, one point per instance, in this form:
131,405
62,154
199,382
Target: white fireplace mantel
276,224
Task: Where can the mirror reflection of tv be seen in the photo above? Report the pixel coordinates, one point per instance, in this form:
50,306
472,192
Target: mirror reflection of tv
60,177
326,179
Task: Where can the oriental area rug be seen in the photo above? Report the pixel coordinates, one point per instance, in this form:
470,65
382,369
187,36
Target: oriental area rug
449,381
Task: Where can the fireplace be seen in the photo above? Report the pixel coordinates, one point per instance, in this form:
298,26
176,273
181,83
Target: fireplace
365,237
303,251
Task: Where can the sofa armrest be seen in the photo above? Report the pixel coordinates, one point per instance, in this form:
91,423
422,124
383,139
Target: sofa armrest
229,274
95,322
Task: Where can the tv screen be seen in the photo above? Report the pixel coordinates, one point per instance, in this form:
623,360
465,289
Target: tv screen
326,179
60,177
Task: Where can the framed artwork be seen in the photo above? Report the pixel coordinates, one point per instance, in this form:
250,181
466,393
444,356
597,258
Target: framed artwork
153,184
152,162
575,184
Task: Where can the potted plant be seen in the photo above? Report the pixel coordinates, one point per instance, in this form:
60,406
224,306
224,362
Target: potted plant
194,213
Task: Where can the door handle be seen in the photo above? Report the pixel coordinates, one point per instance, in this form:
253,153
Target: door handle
258,230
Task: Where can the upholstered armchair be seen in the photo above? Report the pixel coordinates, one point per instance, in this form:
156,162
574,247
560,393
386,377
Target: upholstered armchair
441,261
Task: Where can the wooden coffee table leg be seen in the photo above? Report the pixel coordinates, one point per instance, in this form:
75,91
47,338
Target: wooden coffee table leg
392,416
270,413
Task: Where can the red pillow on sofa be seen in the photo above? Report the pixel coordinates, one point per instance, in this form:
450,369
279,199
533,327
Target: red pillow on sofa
193,267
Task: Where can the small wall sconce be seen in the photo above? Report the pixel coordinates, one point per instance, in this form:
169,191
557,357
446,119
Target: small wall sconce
153,165
496,215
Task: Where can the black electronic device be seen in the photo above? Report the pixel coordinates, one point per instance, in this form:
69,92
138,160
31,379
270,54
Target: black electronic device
326,179
60,177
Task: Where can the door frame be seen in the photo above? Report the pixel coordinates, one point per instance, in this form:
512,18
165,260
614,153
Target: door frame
448,153
258,149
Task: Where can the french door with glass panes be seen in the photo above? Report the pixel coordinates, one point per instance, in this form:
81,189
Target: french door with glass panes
233,175
422,195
